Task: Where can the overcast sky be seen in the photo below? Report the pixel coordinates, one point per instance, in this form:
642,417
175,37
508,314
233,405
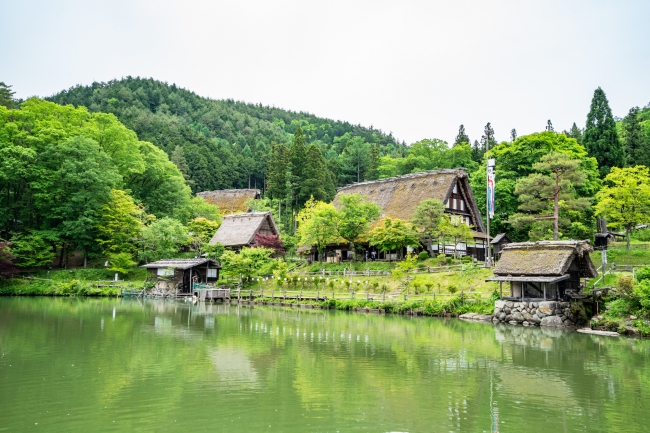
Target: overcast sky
416,68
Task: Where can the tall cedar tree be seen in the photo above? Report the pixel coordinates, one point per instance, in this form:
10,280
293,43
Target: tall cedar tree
636,144
553,186
276,181
600,137
297,155
462,136
486,139
314,173
513,135
549,126
178,158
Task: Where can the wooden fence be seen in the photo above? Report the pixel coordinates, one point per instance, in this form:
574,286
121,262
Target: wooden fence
299,295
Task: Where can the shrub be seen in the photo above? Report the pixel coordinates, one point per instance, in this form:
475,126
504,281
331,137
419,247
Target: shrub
452,289
466,259
423,255
625,285
643,274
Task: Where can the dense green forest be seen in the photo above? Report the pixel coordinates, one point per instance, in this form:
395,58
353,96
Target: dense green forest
221,144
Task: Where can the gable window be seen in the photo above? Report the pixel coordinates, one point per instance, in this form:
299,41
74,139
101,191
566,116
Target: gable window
212,273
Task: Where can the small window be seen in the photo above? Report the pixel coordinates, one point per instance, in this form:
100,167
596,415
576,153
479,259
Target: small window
165,272
212,273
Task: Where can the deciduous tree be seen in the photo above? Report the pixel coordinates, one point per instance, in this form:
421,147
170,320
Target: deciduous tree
428,217
625,198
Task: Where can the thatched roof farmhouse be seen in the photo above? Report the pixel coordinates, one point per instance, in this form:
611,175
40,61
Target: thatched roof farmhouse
544,269
230,201
399,196
239,230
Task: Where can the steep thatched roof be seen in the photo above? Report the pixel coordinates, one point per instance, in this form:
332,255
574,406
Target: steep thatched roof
239,230
230,201
180,263
545,259
399,196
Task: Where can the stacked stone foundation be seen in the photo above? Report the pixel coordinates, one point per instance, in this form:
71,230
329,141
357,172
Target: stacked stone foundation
534,313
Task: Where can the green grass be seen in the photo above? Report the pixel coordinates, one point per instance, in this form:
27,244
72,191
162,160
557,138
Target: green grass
455,305
621,256
71,282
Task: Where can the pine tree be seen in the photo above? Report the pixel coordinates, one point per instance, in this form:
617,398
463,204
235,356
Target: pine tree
462,136
600,137
276,182
636,144
513,134
486,140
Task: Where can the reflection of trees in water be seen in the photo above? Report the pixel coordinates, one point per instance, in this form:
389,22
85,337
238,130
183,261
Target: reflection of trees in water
340,369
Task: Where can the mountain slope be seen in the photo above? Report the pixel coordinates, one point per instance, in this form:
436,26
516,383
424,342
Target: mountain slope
216,143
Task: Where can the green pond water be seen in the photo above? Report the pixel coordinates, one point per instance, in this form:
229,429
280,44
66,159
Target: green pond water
87,365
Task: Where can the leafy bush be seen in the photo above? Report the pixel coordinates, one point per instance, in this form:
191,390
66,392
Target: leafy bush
619,308
625,285
423,255
643,274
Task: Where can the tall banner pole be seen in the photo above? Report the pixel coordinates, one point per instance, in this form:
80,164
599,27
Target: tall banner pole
489,199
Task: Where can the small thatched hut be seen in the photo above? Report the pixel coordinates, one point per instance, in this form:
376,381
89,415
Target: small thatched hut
230,201
239,230
399,196
545,269
172,274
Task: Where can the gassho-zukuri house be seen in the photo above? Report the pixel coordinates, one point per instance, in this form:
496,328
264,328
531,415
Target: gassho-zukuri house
230,201
239,230
179,274
399,196
544,270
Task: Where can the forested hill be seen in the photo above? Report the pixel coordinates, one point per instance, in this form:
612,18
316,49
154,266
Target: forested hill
220,144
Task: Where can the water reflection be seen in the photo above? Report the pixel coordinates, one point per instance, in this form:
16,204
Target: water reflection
169,366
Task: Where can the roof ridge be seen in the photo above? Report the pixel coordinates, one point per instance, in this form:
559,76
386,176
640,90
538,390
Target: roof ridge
459,170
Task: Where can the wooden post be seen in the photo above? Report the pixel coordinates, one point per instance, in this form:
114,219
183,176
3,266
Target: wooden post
500,290
544,291
333,297
272,294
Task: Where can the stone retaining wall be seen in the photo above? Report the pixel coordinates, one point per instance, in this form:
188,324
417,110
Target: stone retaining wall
544,313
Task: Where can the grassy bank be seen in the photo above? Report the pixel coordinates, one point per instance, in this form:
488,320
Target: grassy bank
453,306
73,282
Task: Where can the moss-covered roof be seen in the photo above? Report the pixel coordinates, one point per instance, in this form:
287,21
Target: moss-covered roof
545,258
230,201
399,196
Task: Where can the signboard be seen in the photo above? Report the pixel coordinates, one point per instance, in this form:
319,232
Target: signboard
490,187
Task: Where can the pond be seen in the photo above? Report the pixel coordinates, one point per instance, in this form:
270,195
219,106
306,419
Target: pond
80,365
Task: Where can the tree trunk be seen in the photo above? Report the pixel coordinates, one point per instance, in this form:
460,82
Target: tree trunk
627,237
556,215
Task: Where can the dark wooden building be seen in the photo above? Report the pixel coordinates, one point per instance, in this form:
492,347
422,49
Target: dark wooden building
498,242
544,270
239,230
178,274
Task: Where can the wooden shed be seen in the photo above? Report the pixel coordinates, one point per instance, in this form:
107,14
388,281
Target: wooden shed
499,241
230,201
171,274
239,230
544,270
